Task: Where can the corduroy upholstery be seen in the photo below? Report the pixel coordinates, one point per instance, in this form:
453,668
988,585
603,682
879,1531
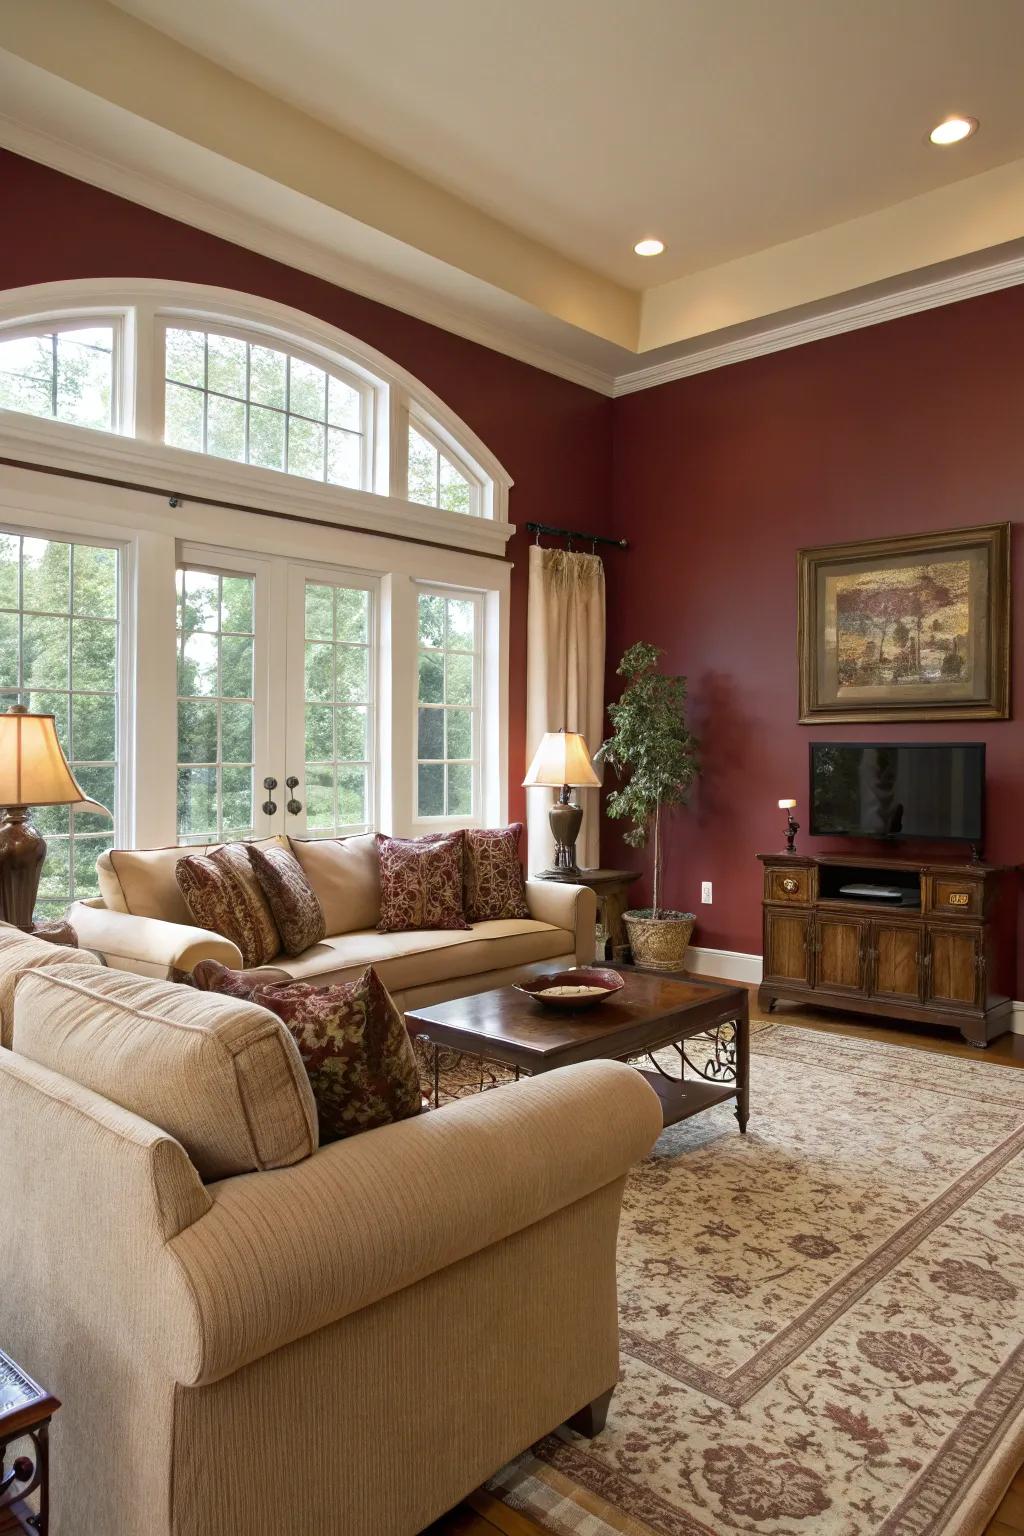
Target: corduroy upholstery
345,1346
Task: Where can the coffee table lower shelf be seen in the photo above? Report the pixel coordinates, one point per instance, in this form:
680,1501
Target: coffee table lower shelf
680,1100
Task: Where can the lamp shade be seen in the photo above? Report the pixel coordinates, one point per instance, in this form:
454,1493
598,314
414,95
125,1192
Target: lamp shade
563,757
33,768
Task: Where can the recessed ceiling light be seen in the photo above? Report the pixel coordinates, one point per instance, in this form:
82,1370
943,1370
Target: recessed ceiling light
954,130
649,247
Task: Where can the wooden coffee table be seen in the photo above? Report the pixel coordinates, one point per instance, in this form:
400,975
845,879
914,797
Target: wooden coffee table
650,1013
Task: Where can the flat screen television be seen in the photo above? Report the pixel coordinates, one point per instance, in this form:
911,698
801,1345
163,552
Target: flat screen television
930,791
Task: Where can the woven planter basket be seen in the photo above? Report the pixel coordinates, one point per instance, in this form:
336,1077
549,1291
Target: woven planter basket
660,943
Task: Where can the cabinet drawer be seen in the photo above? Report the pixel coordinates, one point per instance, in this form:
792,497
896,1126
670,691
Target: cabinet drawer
791,887
953,895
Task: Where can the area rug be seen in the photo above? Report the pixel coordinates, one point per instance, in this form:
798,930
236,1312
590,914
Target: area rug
822,1321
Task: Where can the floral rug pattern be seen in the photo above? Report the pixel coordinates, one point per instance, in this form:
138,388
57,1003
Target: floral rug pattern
821,1322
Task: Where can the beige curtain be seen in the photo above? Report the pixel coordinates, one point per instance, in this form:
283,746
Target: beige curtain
564,682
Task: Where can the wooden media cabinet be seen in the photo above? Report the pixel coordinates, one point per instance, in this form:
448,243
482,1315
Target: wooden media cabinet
944,954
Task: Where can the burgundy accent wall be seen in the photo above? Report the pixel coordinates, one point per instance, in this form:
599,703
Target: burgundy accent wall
906,427
553,437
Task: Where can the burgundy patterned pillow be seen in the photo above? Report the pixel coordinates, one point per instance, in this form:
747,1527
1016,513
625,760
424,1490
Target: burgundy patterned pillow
292,900
420,883
352,1040
222,894
493,881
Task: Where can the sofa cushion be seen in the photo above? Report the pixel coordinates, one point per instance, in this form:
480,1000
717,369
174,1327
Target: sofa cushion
141,880
345,874
296,909
404,960
352,1040
223,1077
21,952
223,894
420,883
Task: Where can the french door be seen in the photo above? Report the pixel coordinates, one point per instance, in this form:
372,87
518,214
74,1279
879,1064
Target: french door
277,717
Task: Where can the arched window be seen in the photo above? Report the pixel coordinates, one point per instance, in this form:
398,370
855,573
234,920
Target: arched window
192,371
239,397
64,370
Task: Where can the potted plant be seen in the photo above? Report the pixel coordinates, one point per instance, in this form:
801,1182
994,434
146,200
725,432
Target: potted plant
655,755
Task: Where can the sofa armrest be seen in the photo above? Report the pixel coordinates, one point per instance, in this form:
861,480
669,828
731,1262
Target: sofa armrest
284,1253
148,944
573,907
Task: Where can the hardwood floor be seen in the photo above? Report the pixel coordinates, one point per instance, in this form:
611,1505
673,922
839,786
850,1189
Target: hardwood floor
482,1515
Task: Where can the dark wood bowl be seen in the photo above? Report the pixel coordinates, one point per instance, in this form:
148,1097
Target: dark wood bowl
605,984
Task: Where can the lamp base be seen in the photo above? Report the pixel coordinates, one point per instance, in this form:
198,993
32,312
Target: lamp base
566,820
22,851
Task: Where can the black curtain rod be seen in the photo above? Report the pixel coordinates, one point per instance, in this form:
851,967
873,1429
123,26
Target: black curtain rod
573,533
180,498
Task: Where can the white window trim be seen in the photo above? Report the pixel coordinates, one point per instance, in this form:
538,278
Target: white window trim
121,324
34,526
482,707
365,388
418,422
143,458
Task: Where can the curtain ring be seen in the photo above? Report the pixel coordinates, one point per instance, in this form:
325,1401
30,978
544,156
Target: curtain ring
536,537
593,546
572,547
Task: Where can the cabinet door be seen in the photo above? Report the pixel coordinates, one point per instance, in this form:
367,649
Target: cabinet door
787,951
955,966
897,951
840,946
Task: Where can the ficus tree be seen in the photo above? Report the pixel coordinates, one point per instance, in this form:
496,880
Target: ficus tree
651,751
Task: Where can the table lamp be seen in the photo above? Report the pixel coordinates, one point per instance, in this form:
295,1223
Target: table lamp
792,825
33,771
562,761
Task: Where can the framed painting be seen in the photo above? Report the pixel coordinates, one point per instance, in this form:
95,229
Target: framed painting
913,628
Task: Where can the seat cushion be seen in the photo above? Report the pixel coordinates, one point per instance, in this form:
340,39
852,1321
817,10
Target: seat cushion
223,1077
20,952
420,883
223,894
292,900
345,874
352,1040
141,880
404,960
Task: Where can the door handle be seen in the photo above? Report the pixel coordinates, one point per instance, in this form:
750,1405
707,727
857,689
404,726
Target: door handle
293,806
269,804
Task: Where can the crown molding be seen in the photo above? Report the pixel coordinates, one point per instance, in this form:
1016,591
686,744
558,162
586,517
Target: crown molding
289,249
292,250
833,322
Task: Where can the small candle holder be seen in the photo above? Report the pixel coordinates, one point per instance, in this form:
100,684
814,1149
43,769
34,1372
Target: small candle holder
792,825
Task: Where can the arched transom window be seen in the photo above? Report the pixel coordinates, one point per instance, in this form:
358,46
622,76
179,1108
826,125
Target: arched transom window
240,379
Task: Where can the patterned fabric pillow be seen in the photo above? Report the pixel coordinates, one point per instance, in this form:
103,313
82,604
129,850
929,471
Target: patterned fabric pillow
493,881
420,883
352,1040
222,894
292,900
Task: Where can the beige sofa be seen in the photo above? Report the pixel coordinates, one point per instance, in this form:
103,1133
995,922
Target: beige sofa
257,1336
140,923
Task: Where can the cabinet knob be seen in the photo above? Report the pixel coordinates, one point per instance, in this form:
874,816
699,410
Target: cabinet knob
790,885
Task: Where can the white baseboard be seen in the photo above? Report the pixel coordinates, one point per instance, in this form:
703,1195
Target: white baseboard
733,965
727,964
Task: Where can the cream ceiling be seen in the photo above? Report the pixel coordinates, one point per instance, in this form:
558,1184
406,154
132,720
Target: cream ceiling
503,157
724,126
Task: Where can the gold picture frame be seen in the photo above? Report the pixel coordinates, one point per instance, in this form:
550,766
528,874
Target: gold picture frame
909,628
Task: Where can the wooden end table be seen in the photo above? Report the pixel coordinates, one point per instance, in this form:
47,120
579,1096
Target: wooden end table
611,887
653,1011
25,1414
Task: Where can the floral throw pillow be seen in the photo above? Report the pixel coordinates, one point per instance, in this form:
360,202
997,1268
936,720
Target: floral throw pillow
420,883
292,900
493,881
352,1040
222,894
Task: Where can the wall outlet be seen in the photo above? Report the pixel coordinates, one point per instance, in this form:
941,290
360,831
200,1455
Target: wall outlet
705,892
